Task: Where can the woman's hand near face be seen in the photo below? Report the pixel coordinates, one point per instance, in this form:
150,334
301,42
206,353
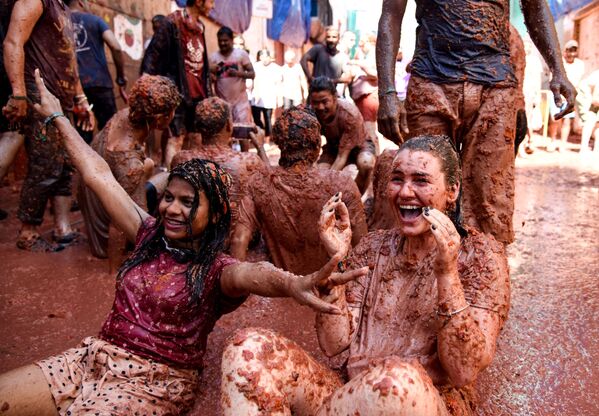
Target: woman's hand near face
447,237
335,233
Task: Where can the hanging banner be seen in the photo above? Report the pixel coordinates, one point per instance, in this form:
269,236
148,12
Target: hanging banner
128,31
262,8
233,13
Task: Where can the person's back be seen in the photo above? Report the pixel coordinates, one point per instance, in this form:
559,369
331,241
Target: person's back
89,45
463,40
286,204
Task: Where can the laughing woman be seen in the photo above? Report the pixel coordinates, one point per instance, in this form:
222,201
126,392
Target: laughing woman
419,327
169,294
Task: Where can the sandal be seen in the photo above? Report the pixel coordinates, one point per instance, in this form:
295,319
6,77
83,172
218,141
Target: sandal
71,238
37,244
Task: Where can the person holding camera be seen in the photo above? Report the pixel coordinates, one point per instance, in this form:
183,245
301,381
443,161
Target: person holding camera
230,68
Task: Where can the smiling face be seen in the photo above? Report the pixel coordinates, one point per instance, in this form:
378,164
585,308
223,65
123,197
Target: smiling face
332,39
418,181
324,105
571,54
175,209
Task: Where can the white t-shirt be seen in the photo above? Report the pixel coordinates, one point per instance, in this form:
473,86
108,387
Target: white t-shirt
267,85
293,78
575,71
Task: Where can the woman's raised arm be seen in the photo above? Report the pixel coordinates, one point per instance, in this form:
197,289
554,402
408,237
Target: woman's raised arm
123,211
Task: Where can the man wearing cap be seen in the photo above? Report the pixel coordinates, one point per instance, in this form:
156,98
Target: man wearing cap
575,71
463,85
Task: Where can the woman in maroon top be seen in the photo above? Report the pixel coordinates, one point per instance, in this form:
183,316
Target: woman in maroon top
169,294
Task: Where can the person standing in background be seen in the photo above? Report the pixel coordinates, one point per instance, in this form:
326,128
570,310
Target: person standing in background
575,71
91,32
295,86
364,87
230,68
266,91
178,51
37,27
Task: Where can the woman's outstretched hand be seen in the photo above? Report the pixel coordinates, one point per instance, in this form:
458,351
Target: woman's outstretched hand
447,237
334,226
49,103
306,290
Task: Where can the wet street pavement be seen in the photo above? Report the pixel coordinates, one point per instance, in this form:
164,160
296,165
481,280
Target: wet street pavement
546,356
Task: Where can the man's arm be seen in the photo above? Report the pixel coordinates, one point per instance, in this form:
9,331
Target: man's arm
307,57
25,15
341,159
391,111
541,27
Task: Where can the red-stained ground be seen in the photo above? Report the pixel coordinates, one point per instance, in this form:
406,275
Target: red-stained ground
546,362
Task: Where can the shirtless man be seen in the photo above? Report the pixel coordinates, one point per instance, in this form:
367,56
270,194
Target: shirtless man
214,121
37,27
342,124
284,202
462,85
153,100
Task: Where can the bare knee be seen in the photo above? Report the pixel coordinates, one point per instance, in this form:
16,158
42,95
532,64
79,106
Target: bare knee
365,162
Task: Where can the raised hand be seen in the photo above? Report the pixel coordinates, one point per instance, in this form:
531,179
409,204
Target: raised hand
48,103
306,290
447,237
334,227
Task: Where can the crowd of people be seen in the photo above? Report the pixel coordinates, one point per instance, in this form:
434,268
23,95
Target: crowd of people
401,253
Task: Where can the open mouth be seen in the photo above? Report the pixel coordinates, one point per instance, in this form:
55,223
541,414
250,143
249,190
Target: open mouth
410,212
173,224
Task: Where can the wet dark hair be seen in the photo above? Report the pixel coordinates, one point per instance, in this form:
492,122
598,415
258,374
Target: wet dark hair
297,133
319,84
211,116
443,149
225,31
204,176
158,18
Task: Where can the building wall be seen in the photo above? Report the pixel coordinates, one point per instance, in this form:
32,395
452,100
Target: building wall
588,39
143,10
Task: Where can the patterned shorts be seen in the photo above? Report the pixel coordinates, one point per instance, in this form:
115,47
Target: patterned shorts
98,378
